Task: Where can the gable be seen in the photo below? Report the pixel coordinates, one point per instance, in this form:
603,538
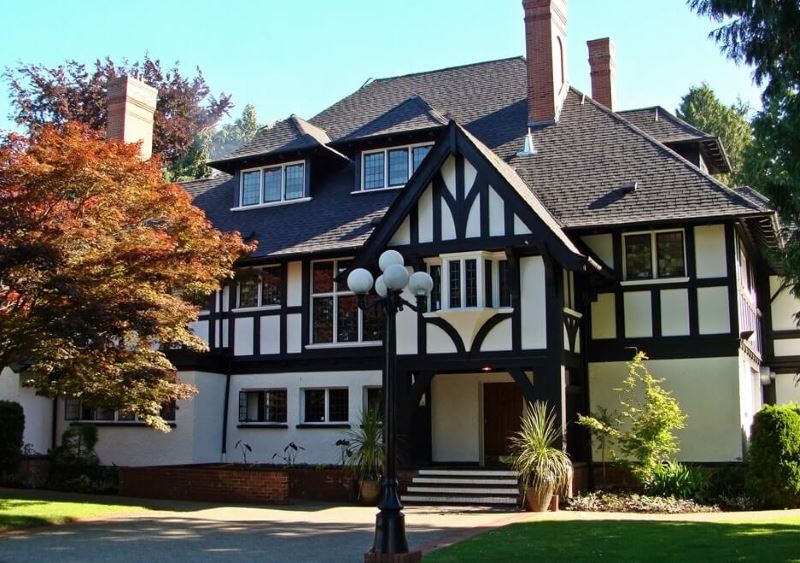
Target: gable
463,193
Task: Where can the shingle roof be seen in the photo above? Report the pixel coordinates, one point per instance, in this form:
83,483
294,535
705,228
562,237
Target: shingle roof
662,125
578,171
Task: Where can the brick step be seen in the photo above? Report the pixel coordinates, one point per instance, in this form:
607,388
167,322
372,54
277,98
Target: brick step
468,472
464,481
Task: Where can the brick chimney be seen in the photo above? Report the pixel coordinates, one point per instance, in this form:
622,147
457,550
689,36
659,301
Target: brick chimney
546,54
131,105
601,65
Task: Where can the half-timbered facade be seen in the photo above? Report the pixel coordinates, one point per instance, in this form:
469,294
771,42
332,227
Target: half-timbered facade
561,235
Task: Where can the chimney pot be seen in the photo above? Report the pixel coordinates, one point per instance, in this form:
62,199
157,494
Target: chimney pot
131,105
601,65
546,58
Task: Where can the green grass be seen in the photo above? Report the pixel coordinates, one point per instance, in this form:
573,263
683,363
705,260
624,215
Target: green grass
18,513
777,539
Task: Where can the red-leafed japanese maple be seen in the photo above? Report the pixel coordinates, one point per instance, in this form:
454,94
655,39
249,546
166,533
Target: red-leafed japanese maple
102,263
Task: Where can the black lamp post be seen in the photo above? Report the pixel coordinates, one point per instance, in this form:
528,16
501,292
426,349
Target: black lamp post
390,542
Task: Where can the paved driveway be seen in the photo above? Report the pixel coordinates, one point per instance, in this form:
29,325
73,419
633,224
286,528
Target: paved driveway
317,533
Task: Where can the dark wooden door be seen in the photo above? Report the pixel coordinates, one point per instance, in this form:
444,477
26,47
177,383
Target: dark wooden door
502,408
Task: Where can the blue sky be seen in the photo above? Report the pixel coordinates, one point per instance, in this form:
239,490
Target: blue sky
301,56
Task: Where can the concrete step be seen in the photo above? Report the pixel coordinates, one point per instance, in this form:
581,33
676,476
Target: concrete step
512,491
469,472
479,500
466,481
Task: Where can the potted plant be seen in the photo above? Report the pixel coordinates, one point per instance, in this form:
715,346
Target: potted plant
366,445
543,466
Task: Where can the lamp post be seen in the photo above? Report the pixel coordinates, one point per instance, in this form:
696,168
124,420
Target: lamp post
390,542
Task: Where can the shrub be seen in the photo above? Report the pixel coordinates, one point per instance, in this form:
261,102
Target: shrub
773,474
674,479
611,502
74,465
12,426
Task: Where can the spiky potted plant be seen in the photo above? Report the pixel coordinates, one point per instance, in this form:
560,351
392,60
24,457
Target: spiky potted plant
543,466
366,444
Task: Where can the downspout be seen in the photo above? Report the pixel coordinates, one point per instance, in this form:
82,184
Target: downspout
54,425
585,342
224,449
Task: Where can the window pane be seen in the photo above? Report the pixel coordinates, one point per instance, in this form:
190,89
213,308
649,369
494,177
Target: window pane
341,267
271,286
373,171
347,321
248,290
417,155
372,322
338,405
126,416
295,181
455,284
323,277
87,412
72,409
250,187
168,411
104,413
323,319
275,405
243,401
398,167
638,257
314,405
669,253
471,273
374,399
272,184
436,292
504,282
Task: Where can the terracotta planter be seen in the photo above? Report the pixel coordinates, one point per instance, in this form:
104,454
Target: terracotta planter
369,491
537,499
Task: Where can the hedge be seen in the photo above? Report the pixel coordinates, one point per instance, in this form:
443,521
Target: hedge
773,474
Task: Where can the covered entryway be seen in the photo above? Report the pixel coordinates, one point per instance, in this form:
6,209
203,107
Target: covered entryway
502,409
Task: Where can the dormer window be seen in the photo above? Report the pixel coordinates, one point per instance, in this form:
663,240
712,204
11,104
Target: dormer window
472,280
391,168
272,184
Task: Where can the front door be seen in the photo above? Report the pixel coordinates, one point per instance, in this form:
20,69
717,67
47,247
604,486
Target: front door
502,409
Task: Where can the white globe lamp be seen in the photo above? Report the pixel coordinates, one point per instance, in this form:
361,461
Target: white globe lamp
360,281
389,258
420,284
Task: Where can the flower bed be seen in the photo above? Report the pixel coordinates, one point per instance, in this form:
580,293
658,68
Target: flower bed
632,502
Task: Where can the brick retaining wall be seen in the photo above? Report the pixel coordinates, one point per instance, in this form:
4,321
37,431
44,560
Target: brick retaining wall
212,483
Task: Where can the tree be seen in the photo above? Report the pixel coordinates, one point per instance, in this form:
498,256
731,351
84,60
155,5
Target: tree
73,91
210,145
701,107
766,35
101,264
644,428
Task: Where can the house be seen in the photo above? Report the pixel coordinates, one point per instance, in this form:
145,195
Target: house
561,233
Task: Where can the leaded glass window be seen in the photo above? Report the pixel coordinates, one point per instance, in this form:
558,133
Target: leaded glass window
638,257
295,181
398,167
373,171
251,182
669,253
418,154
272,184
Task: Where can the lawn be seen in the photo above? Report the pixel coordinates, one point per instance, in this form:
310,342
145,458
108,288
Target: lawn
777,539
17,513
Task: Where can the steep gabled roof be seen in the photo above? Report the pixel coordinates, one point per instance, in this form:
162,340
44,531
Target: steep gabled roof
292,134
412,114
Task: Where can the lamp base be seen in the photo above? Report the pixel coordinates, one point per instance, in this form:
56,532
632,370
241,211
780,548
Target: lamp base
408,557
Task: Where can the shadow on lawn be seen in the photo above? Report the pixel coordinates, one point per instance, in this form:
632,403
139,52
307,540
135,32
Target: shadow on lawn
625,540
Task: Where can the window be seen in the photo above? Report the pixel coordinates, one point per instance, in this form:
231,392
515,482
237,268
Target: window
654,255
259,288
325,405
373,399
75,410
262,405
336,316
273,184
391,168
472,280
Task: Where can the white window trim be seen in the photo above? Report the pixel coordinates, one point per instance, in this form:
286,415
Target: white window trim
653,258
261,202
480,257
115,420
258,307
335,294
327,406
410,153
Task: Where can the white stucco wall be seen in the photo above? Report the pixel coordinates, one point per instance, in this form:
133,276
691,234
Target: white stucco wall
710,257
457,415
787,388
533,303
708,391
38,410
196,437
319,443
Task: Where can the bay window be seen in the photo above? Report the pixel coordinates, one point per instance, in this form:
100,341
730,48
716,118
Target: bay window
469,280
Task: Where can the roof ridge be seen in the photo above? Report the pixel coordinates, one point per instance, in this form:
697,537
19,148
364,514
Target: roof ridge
672,154
445,69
